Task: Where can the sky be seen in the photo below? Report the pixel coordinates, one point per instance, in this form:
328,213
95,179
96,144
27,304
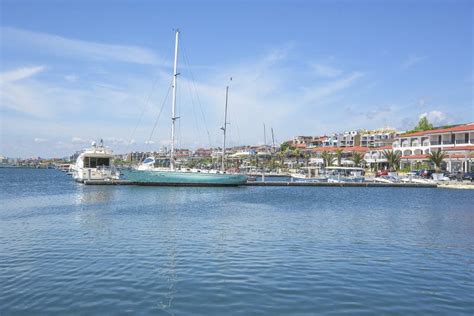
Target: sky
76,71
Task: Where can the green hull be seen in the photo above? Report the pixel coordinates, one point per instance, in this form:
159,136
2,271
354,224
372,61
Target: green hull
174,178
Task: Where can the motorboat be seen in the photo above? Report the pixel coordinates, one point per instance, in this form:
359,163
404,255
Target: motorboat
345,174
95,163
299,177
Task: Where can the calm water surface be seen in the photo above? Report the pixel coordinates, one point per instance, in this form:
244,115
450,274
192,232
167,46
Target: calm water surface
67,248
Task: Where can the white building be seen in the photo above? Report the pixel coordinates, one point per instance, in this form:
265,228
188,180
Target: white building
378,138
457,142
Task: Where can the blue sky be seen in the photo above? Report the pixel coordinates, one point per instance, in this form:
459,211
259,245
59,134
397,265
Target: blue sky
76,71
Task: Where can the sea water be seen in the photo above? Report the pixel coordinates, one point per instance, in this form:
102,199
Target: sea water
67,248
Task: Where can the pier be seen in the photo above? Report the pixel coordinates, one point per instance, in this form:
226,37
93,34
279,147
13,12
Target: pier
272,184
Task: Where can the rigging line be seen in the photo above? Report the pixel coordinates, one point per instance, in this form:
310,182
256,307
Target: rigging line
159,113
188,86
197,95
157,119
238,132
144,108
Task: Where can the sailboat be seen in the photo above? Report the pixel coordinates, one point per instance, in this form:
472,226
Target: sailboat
148,174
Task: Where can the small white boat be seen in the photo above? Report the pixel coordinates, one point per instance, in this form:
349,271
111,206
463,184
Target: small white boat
64,167
416,179
386,179
298,177
345,174
95,163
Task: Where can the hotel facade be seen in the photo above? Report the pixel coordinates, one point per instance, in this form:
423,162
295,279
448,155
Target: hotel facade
457,142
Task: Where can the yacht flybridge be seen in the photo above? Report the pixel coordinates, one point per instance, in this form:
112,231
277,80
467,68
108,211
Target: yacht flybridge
95,163
148,173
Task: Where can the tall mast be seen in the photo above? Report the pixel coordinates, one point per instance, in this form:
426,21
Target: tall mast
273,141
224,128
264,136
173,108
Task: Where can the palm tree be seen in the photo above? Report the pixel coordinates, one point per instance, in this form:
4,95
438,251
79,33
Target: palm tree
357,158
339,156
297,154
328,158
393,158
436,157
306,157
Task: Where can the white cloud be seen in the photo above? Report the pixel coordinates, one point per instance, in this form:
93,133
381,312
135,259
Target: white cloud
412,61
20,73
326,71
71,78
40,140
149,142
262,91
422,103
62,46
319,92
435,117
78,140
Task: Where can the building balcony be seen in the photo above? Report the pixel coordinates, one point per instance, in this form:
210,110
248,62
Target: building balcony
463,141
447,142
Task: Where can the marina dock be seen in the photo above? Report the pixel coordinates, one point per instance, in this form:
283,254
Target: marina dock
274,184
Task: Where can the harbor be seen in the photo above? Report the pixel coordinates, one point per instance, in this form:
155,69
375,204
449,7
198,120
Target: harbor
236,158
155,244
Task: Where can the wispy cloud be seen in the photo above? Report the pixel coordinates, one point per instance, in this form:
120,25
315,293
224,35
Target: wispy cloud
412,60
325,71
40,140
262,90
62,46
435,117
20,73
325,90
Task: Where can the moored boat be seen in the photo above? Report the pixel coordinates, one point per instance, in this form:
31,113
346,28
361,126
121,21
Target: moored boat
95,163
148,173
345,174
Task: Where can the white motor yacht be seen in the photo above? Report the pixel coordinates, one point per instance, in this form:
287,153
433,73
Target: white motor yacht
345,174
95,163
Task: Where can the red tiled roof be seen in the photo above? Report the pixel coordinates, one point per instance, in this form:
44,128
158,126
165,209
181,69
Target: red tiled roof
459,128
470,155
344,149
389,147
467,147
447,156
415,157
299,145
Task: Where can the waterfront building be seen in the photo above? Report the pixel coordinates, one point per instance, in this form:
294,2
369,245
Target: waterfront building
348,139
456,141
307,141
374,158
202,153
376,138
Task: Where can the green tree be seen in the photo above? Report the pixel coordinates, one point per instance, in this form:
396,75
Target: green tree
436,157
338,153
328,158
423,125
286,146
357,158
393,159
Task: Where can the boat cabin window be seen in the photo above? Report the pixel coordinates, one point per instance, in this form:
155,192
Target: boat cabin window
149,160
94,162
